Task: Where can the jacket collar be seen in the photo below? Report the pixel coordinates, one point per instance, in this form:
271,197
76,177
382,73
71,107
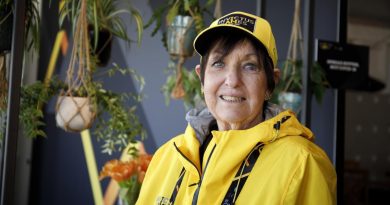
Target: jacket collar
236,144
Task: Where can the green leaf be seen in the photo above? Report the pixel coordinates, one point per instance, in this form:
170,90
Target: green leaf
96,26
172,12
138,20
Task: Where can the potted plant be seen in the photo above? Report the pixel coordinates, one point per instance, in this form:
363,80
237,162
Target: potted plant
191,86
289,88
116,124
104,21
288,91
75,112
184,20
76,105
123,125
181,18
129,172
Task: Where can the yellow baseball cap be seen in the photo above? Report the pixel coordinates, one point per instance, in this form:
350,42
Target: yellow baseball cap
257,27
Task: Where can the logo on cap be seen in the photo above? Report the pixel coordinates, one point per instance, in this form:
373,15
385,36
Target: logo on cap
240,20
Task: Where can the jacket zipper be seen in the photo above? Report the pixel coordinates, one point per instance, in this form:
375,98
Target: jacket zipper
196,194
178,150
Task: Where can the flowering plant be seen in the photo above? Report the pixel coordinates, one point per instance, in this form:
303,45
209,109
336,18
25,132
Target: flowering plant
129,175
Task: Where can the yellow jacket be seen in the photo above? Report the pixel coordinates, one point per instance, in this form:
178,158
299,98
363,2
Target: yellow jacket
289,170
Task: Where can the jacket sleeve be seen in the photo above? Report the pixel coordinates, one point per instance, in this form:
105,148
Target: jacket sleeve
314,182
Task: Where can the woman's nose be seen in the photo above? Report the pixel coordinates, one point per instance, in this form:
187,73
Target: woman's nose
232,78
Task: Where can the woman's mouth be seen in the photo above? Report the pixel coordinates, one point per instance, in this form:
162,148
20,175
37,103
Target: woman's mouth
232,99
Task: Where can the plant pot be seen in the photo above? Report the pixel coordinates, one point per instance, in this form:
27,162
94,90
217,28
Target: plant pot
181,33
290,100
6,17
74,113
103,47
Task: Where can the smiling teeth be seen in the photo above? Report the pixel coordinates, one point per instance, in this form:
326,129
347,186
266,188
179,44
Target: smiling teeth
232,99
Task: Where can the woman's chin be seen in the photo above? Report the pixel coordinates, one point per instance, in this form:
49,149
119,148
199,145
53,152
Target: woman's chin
236,120
231,120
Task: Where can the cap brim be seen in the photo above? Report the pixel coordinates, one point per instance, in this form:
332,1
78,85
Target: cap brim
203,41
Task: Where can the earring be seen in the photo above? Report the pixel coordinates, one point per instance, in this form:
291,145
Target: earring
201,90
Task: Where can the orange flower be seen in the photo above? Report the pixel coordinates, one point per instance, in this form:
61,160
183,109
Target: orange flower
118,170
144,161
121,171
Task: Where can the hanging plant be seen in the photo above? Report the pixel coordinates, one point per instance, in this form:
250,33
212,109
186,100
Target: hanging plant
122,125
184,20
104,17
289,88
116,124
191,86
181,34
76,106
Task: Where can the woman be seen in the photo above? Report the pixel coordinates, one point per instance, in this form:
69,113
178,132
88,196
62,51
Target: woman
240,149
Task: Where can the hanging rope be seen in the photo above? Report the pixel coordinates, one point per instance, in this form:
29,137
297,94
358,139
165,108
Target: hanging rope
80,54
178,91
295,47
218,9
78,79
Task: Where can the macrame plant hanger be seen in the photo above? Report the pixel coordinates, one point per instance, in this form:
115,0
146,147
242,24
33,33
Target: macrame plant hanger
295,47
178,91
79,74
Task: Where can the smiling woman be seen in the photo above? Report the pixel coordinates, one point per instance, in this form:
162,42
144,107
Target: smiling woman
235,86
239,149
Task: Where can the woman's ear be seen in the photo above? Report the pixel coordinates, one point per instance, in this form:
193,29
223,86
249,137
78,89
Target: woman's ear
276,75
197,70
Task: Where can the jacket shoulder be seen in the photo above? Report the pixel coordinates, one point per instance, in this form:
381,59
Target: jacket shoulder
169,144
302,146
312,171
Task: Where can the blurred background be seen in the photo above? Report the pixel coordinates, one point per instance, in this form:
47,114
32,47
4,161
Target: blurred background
351,125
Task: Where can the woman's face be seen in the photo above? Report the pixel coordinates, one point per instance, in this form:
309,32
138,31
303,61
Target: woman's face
235,86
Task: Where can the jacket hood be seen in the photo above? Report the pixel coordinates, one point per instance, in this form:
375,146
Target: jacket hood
201,119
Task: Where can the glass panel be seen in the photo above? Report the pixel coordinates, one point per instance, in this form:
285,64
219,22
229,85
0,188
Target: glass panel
3,96
367,127
3,100
4,73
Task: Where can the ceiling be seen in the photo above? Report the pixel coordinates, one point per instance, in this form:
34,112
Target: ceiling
375,12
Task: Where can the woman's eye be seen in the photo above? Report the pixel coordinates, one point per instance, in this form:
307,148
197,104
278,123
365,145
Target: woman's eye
251,67
218,64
